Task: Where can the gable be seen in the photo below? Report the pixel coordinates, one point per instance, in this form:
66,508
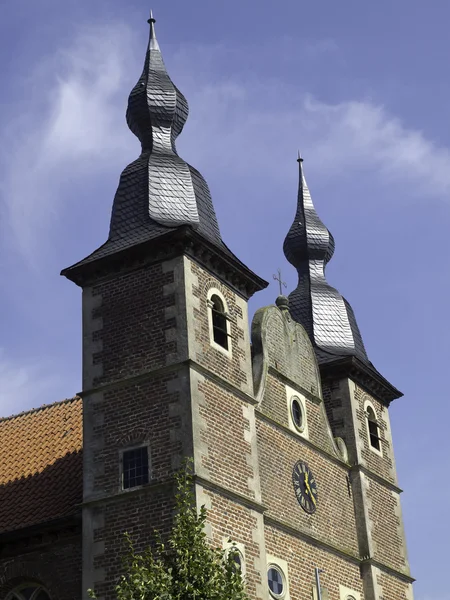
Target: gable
281,343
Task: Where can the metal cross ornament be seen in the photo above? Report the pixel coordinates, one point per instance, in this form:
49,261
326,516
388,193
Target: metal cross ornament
280,281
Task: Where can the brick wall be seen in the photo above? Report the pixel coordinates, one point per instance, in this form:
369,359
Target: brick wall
136,383
137,512
275,404
393,587
236,367
358,513
244,525
381,465
151,375
334,520
54,562
303,557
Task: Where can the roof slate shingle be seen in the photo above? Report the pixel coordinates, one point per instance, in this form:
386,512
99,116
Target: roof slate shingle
41,465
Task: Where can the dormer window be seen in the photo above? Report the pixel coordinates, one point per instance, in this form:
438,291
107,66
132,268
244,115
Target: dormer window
373,429
219,321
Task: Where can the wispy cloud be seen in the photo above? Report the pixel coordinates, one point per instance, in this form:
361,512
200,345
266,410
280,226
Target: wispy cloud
69,129
72,130
352,135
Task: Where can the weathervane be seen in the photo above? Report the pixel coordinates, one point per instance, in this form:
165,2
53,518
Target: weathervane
280,281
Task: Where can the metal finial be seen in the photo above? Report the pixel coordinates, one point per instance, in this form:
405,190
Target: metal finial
153,44
299,157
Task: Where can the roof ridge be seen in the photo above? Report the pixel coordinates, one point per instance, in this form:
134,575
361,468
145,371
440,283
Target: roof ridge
42,407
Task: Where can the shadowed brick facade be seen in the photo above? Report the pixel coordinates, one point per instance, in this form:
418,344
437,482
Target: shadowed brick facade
154,376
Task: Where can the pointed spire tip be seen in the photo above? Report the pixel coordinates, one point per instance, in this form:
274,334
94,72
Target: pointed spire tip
299,157
153,44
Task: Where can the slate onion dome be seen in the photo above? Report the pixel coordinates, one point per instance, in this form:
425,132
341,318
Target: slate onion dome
327,317
162,204
159,189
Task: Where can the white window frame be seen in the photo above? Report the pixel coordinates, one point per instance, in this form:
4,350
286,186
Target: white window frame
282,566
292,394
346,593
128,449
215,292
368,404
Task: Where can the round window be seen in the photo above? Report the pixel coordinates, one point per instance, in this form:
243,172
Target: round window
275,578
297,412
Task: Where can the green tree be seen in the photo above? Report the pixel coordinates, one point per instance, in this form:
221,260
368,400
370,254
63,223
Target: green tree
184,567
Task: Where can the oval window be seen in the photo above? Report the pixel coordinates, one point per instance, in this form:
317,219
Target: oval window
297,412
276,581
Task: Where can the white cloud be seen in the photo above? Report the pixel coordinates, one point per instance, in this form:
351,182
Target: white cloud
74,128
362,134
341,138
70,129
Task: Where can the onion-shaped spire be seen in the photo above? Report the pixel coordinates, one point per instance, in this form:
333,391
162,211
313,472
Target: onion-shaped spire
324,313
159,190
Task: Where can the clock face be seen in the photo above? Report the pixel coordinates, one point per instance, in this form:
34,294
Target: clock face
305,487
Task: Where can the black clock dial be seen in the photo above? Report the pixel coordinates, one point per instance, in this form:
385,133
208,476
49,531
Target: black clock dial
305,487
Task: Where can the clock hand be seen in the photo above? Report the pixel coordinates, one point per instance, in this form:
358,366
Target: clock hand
309,489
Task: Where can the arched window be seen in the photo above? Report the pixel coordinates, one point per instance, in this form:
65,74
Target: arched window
238,552
28,591
219,321
373,429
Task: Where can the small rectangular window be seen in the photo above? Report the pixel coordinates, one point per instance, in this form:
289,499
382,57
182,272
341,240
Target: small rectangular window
135,467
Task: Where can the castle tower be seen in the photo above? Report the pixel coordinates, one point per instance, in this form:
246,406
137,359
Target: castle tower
166,351
356,398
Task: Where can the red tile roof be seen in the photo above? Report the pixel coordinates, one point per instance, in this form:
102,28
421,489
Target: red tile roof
41,476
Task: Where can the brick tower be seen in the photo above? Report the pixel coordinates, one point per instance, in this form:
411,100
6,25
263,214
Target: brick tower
300,479
166,349
356,397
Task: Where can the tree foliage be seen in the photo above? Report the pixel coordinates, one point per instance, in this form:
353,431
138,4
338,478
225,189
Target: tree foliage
184,567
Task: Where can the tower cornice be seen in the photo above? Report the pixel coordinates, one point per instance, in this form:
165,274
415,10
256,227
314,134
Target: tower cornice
183,240
362,373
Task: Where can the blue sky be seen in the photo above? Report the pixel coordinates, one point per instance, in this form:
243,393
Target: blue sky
361,88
